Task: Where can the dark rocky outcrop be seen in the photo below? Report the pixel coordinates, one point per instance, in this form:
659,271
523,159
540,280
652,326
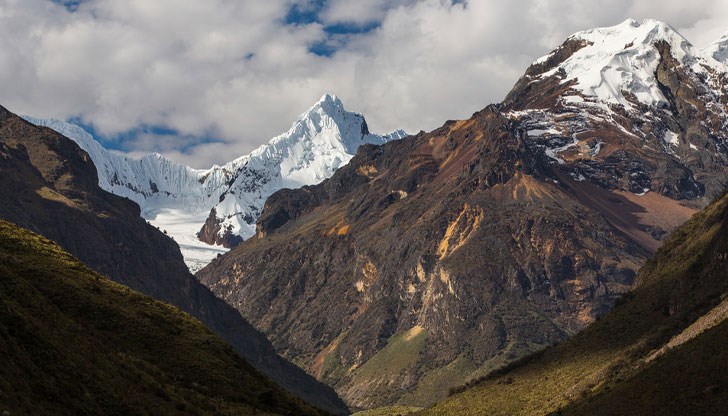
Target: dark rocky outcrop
210,232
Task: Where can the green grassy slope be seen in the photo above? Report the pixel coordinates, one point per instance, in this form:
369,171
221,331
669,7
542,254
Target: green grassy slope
605,370
691,379
74,342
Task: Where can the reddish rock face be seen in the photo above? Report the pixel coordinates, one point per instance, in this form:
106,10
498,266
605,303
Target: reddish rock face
467,234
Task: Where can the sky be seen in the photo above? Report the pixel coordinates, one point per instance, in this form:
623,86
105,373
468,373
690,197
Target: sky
206,81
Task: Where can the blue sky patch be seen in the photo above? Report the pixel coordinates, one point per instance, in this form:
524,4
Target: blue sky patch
303,14
323,48
351,29
125,141
70,5
336,35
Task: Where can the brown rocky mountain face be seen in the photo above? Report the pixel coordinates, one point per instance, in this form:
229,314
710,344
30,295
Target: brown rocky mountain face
659,351
49,185
432,260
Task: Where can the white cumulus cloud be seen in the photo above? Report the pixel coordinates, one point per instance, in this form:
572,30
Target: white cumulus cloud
236,71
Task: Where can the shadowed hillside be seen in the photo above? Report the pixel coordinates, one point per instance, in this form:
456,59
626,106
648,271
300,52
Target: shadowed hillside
73,342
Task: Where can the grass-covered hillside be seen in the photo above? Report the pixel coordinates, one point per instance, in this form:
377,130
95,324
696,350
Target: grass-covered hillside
661,350
74,342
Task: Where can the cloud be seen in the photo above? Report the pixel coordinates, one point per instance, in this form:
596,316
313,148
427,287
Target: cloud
359,12
227,75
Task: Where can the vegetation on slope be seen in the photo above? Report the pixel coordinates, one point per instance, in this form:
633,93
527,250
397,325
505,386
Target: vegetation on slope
74,342
611,367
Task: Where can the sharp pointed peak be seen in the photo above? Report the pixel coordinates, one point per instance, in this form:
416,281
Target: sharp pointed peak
326,98
329,103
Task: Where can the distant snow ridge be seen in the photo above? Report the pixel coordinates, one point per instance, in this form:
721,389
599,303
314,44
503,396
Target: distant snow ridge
179,199
624,58
719,50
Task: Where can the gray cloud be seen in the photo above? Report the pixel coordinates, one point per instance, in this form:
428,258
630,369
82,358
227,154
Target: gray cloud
235,71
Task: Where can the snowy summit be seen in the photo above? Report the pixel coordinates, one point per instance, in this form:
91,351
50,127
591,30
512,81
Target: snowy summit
624,58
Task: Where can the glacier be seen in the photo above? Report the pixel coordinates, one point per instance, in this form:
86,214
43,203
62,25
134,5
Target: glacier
179,199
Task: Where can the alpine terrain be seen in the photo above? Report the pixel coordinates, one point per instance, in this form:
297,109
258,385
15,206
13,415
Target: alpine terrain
434,259
208,211
50,186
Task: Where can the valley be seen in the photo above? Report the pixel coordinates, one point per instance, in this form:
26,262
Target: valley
561,252
50,186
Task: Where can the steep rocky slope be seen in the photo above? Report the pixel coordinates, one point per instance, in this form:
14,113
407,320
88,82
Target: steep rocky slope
427,261
661,350
49,185
435,259
205,208
74,342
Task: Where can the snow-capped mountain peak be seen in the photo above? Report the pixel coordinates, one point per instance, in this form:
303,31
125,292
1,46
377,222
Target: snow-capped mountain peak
322,139
329,103
228,199
621,106
609,61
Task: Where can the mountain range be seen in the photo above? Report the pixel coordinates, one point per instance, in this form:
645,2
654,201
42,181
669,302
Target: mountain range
560,252
209,210
442,256
49,185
